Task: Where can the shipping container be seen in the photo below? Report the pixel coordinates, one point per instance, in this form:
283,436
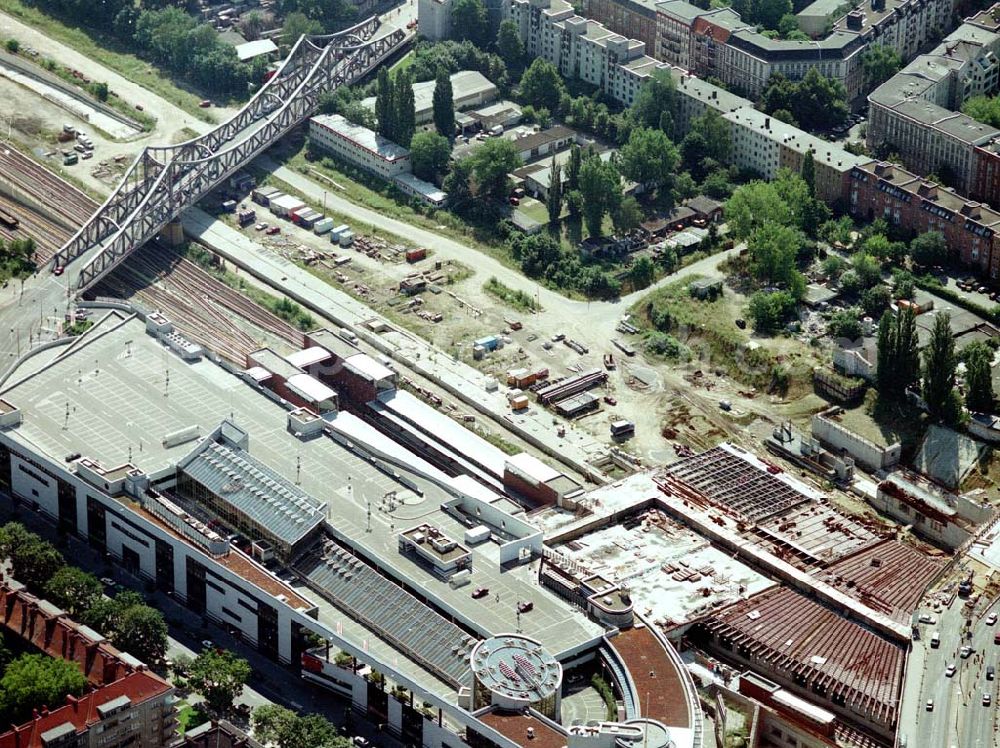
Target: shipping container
347,239
246,217
323,225
489,343
519,403
308,220
263,195
416,255
229,206
337,231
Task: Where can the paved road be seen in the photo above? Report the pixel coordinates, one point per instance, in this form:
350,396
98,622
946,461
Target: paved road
170,118
958,717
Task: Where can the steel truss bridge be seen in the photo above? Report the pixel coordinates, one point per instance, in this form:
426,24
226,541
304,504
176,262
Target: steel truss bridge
164,180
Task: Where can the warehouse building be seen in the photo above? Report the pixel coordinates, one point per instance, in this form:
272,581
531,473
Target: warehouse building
469,89
195,496
359,146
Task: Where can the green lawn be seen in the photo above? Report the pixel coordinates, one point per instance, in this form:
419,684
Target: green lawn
403,62
189,716
109,52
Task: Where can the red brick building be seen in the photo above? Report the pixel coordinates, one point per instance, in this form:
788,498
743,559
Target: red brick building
884,190
128,704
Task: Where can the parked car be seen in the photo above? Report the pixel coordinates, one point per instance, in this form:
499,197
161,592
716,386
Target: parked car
480,592
987,699
991,619
525,606
205,103
930,705
965,652
950,671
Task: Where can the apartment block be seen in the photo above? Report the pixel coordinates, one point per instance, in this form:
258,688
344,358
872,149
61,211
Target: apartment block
766,145
635,19
915,114
123,703
884,190
719,43
582,48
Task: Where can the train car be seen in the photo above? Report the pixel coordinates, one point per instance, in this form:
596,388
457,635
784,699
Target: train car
8,220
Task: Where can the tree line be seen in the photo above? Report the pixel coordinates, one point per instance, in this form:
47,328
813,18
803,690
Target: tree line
167,35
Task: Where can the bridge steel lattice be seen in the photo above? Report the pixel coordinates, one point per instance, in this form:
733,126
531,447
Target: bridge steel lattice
164,180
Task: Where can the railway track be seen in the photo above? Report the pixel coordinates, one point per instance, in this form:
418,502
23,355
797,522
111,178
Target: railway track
74,205
155,277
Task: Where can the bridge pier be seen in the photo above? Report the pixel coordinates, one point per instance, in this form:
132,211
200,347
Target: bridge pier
173,233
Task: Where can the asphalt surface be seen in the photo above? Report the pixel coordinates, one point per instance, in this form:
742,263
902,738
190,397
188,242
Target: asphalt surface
959,717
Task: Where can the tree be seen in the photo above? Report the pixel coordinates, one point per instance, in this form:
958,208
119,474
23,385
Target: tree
553,200
444,105
867,270
457,185
815,103
844,324
808,173
939,371
271,722
985,109
876,300
383,102
143,633
929,249
509,45
541,85
100,90
656,98
573,167
767,311
773,249
627,216
491,163
978,359
837,232
33,680
649,157
886,357
33,561
600,186
219,677
12,45
403,108
469,22
880,62
429,154
73,590
753,205
642,272
296,25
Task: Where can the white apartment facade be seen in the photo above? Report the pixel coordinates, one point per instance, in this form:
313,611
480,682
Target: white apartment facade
359,146
582,48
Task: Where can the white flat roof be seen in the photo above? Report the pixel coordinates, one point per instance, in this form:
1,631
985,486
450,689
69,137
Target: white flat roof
447,429
361,137
258,373
793,702
289,202
308,356
310,388
366,365
531,465
255,49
